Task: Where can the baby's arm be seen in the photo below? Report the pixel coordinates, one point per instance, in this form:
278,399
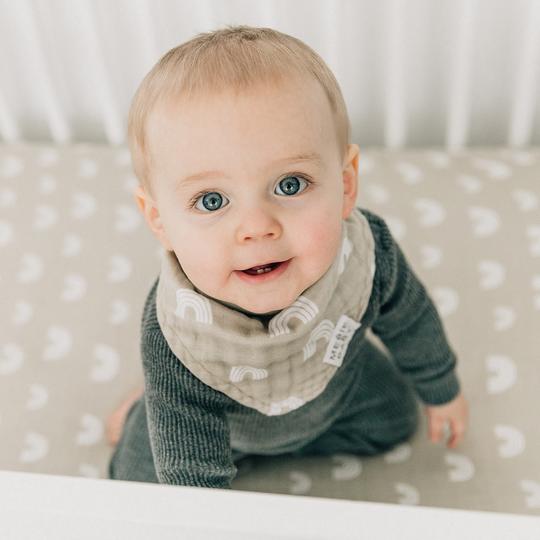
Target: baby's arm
189,433
408,324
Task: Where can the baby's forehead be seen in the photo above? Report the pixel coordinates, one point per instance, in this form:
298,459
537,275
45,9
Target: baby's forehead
270,128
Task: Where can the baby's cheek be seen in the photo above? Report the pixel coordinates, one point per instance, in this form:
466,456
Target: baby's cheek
322,241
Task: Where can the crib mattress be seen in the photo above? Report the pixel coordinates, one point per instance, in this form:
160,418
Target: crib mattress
77,261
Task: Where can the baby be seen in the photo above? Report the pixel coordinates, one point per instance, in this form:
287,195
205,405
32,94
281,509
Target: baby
258,335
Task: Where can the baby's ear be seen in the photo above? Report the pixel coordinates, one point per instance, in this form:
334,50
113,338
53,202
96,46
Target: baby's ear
151,214
350,179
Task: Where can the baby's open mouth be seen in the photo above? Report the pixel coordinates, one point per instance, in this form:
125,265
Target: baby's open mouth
264,273
263,269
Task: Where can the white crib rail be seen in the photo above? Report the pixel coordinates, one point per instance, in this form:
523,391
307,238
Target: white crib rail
526,94
413,72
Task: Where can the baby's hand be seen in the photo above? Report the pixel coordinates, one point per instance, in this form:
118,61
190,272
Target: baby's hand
456,413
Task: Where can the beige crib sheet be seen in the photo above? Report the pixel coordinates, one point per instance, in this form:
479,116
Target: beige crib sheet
77,261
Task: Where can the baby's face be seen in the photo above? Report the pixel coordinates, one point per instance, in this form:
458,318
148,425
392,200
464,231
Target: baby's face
247,180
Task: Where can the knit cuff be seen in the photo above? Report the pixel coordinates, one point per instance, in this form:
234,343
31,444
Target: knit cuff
439,391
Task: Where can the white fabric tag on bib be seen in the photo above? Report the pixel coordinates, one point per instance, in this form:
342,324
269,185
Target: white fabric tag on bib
343,332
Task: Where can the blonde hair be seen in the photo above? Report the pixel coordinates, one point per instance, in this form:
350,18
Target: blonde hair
234,57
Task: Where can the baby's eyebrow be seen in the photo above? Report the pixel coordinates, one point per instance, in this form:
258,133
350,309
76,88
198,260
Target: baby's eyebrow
297,158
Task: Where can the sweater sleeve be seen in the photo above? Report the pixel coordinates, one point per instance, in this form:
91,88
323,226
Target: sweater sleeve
188,429
407,322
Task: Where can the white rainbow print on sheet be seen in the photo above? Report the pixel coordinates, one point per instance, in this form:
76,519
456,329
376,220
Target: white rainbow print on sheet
185,298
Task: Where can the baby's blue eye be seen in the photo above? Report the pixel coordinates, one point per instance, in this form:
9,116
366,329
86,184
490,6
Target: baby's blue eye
212,200
290,184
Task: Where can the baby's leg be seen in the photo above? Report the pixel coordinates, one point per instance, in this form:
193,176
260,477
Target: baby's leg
132,458
383,413
115,422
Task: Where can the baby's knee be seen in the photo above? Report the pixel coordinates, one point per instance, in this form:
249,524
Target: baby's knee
400,407
410,415
397,433
408,425
400,426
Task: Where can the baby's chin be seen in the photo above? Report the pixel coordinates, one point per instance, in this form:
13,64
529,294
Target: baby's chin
275,305
260,311
247,309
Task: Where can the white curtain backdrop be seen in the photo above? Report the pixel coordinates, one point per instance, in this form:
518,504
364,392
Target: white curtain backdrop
414,72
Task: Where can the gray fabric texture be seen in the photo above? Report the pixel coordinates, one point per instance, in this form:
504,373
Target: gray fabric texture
193,431
78,261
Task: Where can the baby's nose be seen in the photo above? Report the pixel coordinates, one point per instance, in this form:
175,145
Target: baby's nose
258,225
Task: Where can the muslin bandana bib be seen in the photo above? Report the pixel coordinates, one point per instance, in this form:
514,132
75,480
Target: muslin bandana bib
279,367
